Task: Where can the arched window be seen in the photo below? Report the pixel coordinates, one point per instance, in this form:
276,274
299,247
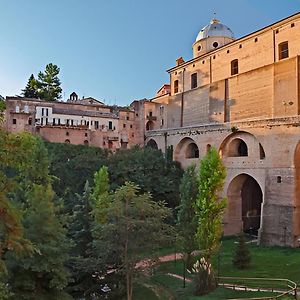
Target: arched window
86,142
149,125
234,67
192,151
237,147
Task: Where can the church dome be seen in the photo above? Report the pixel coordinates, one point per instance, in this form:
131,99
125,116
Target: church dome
215,28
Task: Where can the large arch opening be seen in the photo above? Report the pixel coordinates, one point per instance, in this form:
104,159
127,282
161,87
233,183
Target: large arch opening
149,125
245,199
152,144
237,147
192,151
186,152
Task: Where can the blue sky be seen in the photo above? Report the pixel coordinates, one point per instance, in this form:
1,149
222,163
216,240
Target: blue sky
115,50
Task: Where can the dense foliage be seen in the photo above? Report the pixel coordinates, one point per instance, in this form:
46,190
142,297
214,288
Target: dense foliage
72,165
33,241
70,222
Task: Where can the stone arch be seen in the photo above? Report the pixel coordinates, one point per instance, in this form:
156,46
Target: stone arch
152,144
192,151
149,125
237,147
245,198
241,144
262,154
186,151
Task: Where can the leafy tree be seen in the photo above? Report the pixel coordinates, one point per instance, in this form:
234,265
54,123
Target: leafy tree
209,213
49,83
32,88
136,226
42,275
242,257
148,169
100,194
72,166
29,218
186,217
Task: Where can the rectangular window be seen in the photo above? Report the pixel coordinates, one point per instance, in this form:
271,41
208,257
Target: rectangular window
53,123
175,86
110,125
58,121
14,121
29,121
96,124
234,67
283,50
193,80
124,125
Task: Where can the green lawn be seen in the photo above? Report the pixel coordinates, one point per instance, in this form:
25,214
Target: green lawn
271,262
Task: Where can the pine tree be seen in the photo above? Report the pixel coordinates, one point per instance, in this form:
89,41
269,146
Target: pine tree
32,88
242,256
49,83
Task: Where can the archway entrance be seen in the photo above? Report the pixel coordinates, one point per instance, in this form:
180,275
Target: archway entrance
244,205
152,144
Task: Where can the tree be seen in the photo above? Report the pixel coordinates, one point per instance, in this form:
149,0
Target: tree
30,218
136,226
242,257
2,109
209,214
42,275
32,88
186,217
148,169
100,195
49,83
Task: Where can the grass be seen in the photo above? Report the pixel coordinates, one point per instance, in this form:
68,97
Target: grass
267,262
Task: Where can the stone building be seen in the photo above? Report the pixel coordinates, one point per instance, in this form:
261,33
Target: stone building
84,121
242,97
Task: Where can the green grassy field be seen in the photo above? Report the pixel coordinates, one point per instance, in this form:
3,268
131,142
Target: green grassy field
270,262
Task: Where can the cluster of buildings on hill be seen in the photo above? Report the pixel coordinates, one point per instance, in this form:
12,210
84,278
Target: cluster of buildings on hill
238,95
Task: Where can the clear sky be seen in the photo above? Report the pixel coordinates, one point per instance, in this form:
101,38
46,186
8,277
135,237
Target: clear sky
115,50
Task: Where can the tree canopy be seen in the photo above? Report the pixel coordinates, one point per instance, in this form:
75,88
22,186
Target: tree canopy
46,86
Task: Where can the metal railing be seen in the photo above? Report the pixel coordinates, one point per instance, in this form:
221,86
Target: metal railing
282,287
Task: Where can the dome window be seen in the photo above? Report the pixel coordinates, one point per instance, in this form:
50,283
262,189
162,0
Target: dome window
215,44
199,48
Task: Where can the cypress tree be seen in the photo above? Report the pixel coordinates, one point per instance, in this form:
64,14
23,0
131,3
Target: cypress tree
242,256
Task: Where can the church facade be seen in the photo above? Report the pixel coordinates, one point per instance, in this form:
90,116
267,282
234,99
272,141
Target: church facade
240,96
